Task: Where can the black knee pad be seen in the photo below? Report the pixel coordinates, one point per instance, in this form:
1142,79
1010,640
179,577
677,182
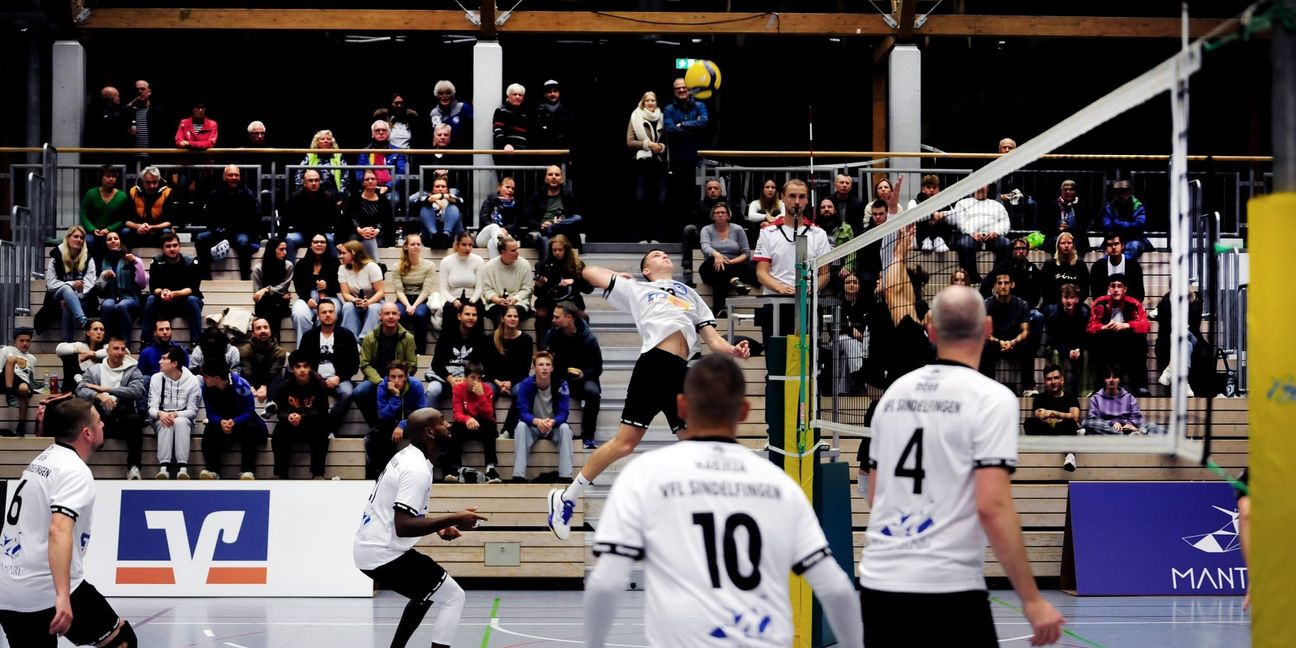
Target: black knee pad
125,637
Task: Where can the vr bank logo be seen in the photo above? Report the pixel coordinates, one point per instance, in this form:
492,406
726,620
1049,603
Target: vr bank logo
188,537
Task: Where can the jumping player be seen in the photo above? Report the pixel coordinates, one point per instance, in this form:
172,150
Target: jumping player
394,521
718,528
670,317
46,530
944,444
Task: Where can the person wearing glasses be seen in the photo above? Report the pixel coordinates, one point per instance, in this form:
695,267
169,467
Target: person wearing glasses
380,144
311,212
448,110
152,212
1116,263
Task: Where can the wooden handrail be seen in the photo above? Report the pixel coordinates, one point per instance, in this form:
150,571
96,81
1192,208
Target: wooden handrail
713,153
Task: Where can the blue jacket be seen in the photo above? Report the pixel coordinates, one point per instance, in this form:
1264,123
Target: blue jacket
685,126
151,356
525,393
234,402
400,407
1131,226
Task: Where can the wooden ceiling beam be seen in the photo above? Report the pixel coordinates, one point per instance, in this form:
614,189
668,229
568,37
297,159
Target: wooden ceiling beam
590,22
908,13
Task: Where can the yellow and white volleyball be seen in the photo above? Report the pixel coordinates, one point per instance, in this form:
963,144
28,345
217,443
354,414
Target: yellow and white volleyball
702,78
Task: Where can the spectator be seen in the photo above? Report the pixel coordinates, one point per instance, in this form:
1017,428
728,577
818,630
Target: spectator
379,134
121,281
644,136
554,126
960,277
78,357
150,356
310,212
19,377
766,209
272,282
334,356
1021,206
726,259
1009,334
398,397
69,277
261,363
232,221
500,214
262,163
507,360
1027,279
456,347
460,279
1116,263
368,214
1197,343
1068,216
1055,412
439,212
558,278
172,408
315,279
850,209
890,194
197,132
979,222
361,283
827,219
1125,216
443,159
400,120
1113,410
543,403
712,194
877,255
378,348
173,289
898,340
511,123
147,128
474,420
116,388
303,416
776,259
507,281
578,361
686,129
215,345
415,281
103,210
458,114
936,230
231,417
1066,327
333,177
1065,267
109,121
153,210
554,211
1118,326
853,337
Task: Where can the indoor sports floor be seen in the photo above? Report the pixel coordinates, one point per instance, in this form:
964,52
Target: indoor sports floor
553,619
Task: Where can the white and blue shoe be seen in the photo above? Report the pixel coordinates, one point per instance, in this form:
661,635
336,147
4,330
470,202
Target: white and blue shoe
560,514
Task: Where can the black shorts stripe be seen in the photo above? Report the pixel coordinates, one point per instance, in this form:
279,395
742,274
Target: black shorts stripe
804,565
633,553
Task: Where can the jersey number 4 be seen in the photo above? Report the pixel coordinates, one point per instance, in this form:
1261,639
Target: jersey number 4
745,582
915,448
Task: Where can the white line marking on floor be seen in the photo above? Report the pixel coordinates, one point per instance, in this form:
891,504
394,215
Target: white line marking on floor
209,633
496,626
231,644
1016,638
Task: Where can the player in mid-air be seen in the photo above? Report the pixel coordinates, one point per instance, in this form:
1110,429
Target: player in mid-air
944,445
670,317
46,530
719,528
395,519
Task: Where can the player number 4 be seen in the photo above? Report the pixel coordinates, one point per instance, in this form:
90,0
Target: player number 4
914,447
745,582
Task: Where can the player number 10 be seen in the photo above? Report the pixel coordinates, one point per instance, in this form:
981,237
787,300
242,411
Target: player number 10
745,582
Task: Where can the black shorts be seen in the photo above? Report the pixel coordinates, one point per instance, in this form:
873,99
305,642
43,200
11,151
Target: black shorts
658,377
93,619
905,619
412,575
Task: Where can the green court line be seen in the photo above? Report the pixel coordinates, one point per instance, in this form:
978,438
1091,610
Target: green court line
494,615
1066,632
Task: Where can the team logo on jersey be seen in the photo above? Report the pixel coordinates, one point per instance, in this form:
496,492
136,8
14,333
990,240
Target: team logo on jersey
752,624
1223,540
910,525
185,537
671,298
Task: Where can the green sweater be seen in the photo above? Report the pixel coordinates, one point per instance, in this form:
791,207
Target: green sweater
374,368
97,214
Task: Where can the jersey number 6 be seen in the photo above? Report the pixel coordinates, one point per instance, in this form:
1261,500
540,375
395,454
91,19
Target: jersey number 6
745,582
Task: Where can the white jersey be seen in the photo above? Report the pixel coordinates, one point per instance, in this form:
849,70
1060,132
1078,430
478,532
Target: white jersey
719,529
777,246
660,309
404,485
57,482
933,429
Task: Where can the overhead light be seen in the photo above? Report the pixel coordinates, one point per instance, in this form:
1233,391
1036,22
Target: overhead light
697,40
666,42
834,39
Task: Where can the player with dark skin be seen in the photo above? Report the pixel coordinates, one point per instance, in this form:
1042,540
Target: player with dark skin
427,430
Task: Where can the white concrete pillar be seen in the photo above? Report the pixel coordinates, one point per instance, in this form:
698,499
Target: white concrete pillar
904,108
67,120
488,91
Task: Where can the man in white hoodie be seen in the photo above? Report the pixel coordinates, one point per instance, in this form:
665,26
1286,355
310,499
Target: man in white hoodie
172,407
116,387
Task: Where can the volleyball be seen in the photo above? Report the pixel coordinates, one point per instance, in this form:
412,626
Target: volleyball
702,78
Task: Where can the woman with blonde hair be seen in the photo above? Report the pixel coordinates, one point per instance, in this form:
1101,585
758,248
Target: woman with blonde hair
69,276
361,281
1066,267
332,177
415,281
645,134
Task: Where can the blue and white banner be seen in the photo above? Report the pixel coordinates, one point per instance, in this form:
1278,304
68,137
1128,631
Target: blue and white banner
1155,538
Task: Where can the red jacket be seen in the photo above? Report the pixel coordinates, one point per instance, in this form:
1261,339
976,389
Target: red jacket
467,405
197,140
1101,313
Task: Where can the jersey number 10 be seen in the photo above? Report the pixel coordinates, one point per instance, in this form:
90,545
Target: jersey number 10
745,582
